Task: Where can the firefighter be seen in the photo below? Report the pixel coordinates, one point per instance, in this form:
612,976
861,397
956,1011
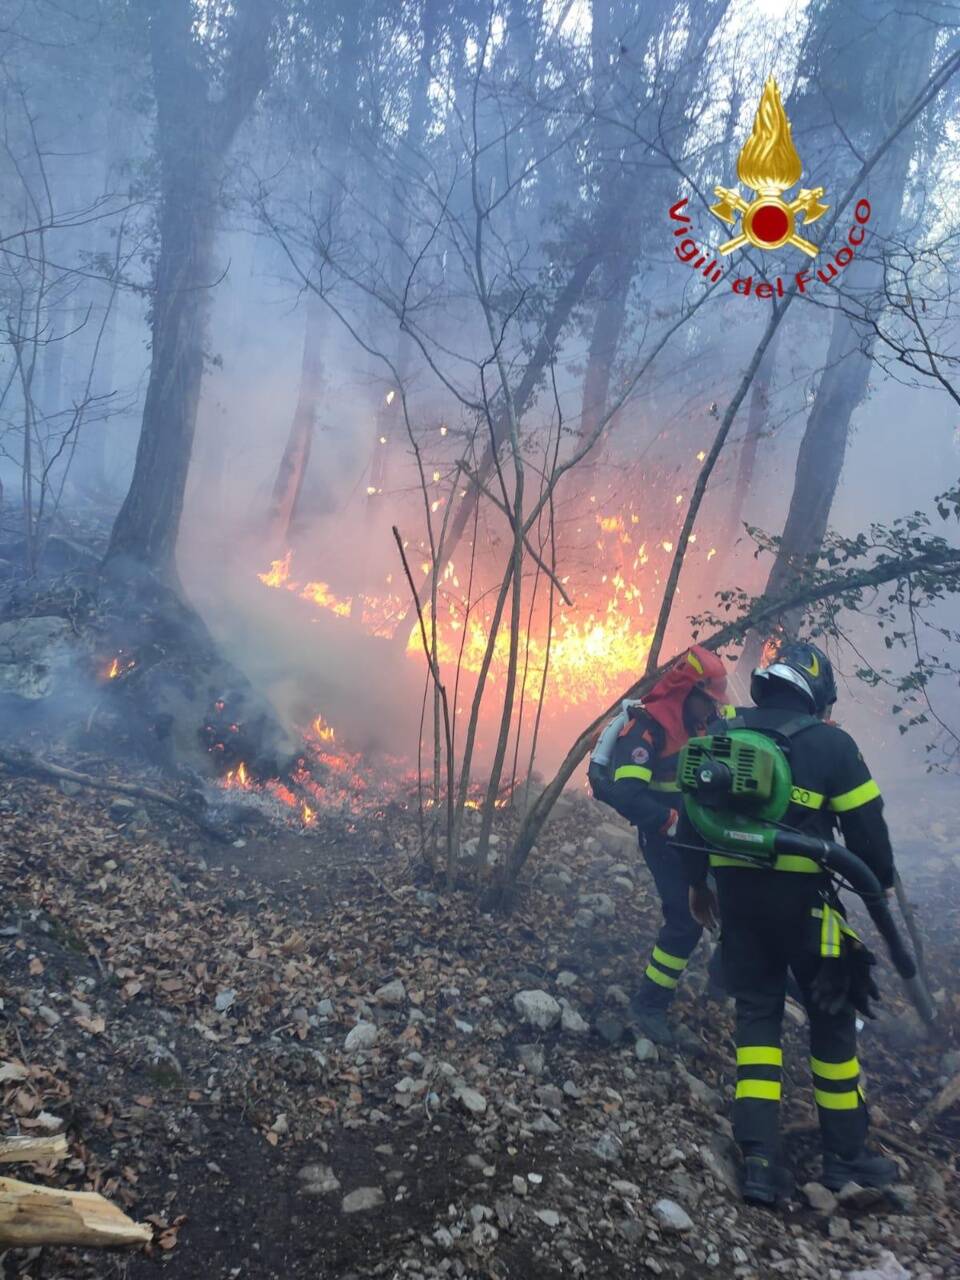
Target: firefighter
787,919
644,791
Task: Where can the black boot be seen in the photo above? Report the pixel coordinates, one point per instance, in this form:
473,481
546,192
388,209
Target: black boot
651,1021
866,1170
765,1181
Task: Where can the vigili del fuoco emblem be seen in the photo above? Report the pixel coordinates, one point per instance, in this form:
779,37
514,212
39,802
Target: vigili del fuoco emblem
769,165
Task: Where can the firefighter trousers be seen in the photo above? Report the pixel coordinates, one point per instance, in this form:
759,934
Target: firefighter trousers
679,933
767,930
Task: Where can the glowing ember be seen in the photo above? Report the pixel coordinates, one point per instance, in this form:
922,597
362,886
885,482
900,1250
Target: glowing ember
118,666
279,572
323,731
237,779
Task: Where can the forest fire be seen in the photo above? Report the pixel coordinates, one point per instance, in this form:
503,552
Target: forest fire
599,643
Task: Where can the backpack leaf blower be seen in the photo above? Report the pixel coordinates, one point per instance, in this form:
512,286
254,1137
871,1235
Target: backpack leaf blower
737,787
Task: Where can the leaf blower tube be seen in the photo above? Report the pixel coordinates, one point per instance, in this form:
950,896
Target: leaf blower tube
862,881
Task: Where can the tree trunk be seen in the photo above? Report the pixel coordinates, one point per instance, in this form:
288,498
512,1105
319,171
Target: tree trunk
848,361
296,455
198,114
291,473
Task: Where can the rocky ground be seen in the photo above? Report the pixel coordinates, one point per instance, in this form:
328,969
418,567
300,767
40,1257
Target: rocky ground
297,1057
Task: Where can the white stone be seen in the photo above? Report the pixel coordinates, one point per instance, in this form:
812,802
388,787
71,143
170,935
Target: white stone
471,1100
537,1008
887,1268
363,1036
549,1217
362,1199
571,1021
391,993
671,1217
646,1050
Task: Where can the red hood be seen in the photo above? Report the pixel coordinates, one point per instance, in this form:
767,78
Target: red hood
698,667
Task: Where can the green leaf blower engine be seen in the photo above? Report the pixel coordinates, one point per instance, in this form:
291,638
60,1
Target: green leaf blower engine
736,790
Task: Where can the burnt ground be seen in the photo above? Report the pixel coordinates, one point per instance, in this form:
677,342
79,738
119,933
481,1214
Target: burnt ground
180,1007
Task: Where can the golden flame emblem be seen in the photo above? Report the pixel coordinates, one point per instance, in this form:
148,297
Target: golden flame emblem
769,164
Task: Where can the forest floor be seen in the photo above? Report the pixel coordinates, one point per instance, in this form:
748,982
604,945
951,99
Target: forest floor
180,1008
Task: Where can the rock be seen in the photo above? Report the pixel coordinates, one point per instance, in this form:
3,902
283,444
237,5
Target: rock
548,1095
671,1217
69,788
537,1008
555,885
857,1198
122,810
629,1190
903,1197
531,1057
584,920
48,1122
224,999
608,1148
549,1217
719,1157
543,1124
622,883
50,1016
887,1268
702,1092
391,994
325,1009
620,841
610,1027
443,1238
424,898
819,1197
363,1036
567,979
484,1236
38,656
601,904
471,1100
318,1180
480,1213
571,1021
519,1185
362,1199
646,1050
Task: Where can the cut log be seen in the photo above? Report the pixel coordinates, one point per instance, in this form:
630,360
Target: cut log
22,1150
31,1215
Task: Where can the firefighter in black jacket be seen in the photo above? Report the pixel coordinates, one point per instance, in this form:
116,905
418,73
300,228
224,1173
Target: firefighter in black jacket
645,792
786,919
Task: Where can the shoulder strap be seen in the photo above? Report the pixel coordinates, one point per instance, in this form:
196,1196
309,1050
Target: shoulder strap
656,730
762,722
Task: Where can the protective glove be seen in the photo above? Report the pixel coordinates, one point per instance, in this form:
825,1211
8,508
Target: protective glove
669,827
703,906
846,981
830,989
863,988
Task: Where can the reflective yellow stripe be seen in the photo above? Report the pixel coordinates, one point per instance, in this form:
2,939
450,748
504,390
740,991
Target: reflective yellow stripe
835,1070
633,771
759,1055
727,711
661,785
786,862
808,799
863,794
837,1101
695,663
830,934
672,962
661,979
768,1089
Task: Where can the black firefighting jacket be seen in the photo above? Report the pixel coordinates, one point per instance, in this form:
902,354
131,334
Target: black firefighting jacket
831,785
644,780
